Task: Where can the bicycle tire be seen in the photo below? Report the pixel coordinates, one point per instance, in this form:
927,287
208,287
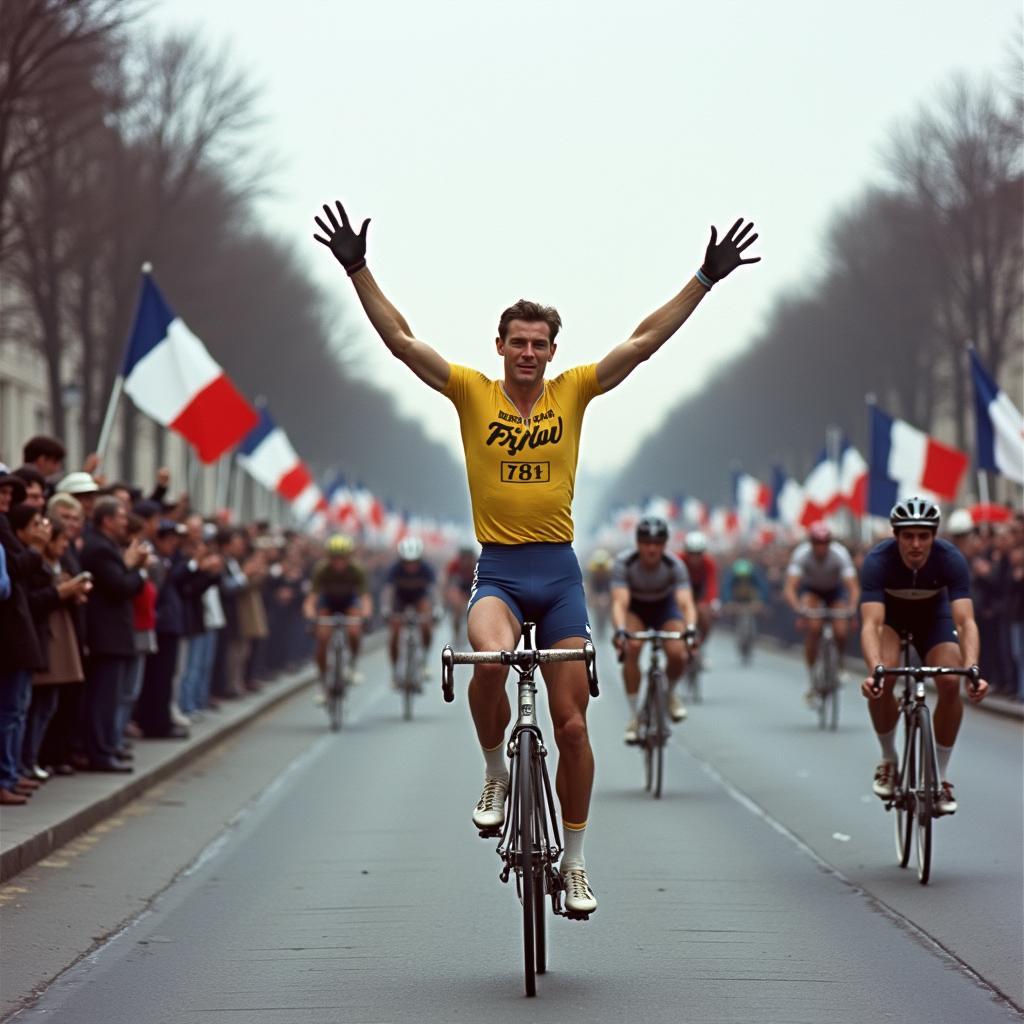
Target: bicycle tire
539,920
336,689
409,661
527,866
833,722
658,735
925,802
693,679
905,795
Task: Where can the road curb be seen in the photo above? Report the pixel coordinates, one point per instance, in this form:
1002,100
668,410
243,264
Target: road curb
30,851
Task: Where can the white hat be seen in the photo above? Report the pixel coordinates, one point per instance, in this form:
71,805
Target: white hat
960,522
77,483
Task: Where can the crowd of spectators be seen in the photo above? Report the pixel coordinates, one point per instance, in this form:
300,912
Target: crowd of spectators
995,554
126,616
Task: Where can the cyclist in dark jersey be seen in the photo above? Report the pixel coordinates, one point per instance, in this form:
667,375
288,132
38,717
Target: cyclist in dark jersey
920,584
411,584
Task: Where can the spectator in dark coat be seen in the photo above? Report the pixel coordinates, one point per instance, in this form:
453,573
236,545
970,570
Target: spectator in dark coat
118,575
20,652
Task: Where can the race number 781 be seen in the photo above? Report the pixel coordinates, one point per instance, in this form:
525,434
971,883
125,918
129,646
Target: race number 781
525,472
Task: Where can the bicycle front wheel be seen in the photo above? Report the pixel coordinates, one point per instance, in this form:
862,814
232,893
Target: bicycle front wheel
657,734
336,690
906,787
528,860
926,787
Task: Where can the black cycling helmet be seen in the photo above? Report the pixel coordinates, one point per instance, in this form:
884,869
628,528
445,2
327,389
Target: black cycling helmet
652,528
915,512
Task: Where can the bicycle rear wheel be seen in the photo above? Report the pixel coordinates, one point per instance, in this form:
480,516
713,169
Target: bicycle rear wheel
693,678
409,660
527,857
539,895
906,787
926,787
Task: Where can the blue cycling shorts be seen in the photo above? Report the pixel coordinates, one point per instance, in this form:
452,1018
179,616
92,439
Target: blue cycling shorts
539,583
654,614
929,626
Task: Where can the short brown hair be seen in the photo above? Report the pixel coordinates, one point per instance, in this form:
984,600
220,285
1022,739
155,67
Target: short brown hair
531,312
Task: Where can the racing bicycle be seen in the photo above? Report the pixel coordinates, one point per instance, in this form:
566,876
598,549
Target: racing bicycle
340,666
916,791
409,666
826,666
529,843
652,726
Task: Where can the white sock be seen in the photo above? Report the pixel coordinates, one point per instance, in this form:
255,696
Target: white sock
633,700
495,761
887,741
573,855
942,755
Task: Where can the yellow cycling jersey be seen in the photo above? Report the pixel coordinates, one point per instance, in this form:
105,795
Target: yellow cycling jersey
521,475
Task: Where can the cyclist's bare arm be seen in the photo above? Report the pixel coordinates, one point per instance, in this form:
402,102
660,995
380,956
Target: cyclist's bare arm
349,249
649,336
720,259
428,364
684,599
966,630
620,606
872,617
853,586
789,594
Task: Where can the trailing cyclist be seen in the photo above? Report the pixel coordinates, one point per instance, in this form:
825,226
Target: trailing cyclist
917,583
338,586
821,574
599,588
410,583
521,438
745,594
703,571
651,590
458,585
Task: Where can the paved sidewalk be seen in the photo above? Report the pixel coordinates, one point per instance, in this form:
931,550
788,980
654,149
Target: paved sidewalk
64,807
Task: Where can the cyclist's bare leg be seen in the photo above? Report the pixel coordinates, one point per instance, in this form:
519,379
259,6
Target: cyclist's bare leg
323,640
812,629
704,620
491,627
631,657
424,607
675,653
355,636
394,626
949,708
841,627
885,712
568,696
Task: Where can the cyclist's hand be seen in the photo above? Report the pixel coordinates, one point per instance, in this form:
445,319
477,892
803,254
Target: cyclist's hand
722,258
867,687
349,248
977,694
619,640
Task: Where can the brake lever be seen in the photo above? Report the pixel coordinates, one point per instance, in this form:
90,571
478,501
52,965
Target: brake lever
448,673
590,660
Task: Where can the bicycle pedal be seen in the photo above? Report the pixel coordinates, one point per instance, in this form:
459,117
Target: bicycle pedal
490,833
573,916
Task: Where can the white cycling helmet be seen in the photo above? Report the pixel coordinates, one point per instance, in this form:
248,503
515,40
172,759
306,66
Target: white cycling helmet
915,512
410,549
696,543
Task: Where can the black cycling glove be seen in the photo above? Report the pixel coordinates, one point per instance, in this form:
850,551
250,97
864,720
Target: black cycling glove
722,258
349,248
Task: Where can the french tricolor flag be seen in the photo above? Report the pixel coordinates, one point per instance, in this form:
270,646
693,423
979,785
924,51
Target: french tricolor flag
1000,427
787,498
267,456
906,461
172,378
853,479
822,495
750,494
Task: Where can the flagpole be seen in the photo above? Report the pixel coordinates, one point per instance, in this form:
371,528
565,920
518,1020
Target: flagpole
108,417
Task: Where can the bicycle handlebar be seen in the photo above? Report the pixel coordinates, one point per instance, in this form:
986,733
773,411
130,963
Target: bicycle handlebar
337,620
689,635
524,659
972,674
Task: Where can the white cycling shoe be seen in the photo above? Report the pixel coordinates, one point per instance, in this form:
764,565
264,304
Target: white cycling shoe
676,707
885,780
946,804
630,735
489,812
319,696
579,897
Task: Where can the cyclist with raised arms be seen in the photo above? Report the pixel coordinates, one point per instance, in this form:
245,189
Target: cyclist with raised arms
821,574
410,583
651,590
521,439
338,586
918,583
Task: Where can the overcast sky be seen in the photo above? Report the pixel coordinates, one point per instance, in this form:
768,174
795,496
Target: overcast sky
576,151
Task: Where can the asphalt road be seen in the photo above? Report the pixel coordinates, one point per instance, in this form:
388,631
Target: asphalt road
294,876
